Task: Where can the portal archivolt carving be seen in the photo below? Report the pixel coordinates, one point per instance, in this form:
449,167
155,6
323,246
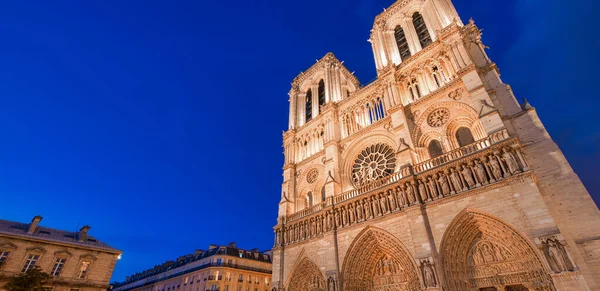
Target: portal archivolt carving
306,277
378,261
481,251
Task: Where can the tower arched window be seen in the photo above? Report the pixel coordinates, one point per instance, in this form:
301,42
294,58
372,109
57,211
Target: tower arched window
421,29
413,87
309,199
435,149
323,194
464,137
401,43
436,76
308,107
321,94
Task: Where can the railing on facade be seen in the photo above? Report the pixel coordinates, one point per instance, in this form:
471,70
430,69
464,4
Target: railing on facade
463,151
395,177
404,172
502,159
159,278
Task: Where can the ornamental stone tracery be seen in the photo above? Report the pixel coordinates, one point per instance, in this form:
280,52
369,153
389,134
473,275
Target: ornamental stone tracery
312,176
373,163
438,117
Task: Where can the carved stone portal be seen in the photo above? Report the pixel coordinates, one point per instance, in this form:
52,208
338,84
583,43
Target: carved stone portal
306,277
480,251
377,261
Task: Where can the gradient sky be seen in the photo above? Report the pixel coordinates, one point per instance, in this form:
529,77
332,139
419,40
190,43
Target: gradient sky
159,123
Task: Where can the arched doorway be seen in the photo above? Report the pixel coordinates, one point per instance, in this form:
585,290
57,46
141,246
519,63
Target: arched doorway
377,261
306,277
481,252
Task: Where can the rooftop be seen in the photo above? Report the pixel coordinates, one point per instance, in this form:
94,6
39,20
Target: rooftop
51,235
229,250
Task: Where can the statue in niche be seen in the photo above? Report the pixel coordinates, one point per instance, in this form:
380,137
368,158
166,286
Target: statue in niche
468,175
401,199
383,202
359,210
510,161
392,200
480,169
495,166
330,284
367,208
557,256
337,218
455,179
433,193
428,274
375,205
351,212
410,193
444,184
422,191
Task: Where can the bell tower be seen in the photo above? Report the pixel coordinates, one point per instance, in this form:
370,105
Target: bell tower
433,176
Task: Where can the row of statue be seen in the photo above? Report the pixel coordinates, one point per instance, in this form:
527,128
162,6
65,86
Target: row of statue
480,171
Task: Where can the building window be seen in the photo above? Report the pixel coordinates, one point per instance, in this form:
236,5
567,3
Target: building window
413,87
421,28
321,93
219,262
83,268
323,193
3,257
308,107
401,43
213,287
30,263
58,266
464,137
241,278
435,149
226,287
309,199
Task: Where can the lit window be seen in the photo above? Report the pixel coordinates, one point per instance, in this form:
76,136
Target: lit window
30,263
321,94
421,29
3,257
401,43
58,266
83,268
308,107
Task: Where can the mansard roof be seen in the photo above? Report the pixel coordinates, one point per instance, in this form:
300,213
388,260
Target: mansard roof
328,59
51,235
230,250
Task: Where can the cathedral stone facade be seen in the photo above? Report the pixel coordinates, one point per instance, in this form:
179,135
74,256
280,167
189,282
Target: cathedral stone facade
433,176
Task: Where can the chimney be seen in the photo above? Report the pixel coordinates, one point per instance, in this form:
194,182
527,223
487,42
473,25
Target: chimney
34,223
83,233
212,247
232,245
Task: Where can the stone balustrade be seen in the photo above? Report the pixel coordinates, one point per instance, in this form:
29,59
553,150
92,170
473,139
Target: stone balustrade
484,163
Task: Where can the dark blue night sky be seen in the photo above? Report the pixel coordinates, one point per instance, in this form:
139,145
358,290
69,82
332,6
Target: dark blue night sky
159,123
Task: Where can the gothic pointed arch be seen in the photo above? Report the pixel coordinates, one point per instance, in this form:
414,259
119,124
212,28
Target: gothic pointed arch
480,251
306,276
376,260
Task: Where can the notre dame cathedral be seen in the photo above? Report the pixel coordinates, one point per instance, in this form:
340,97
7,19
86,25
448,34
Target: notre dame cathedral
431,177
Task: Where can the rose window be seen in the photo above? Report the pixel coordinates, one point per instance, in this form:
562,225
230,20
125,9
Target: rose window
374,162
438,117
312,176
